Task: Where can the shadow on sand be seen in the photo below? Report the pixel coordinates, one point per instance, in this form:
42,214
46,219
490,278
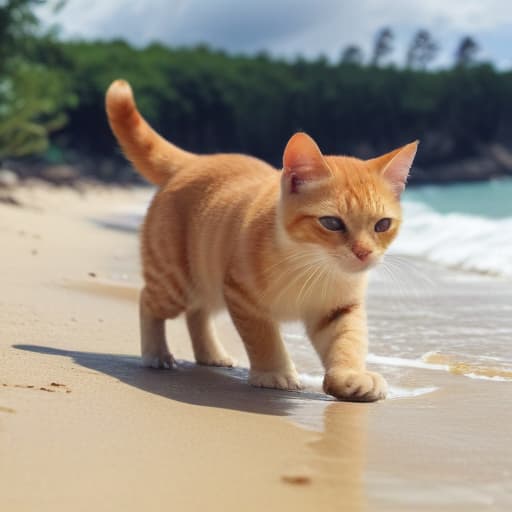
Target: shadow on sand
193,384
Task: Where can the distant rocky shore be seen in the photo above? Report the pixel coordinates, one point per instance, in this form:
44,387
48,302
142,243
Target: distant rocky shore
493,161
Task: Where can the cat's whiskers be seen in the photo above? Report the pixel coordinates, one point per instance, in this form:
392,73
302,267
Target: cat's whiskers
297,274
293,274
295,266
394,267
404,289
290,258
399,261
327,279
317,283
313,272
312,280
391,274
291,264
387,270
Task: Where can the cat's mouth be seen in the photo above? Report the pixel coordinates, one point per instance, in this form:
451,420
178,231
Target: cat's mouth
350,264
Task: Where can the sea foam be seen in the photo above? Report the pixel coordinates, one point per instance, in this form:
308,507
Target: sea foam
456,240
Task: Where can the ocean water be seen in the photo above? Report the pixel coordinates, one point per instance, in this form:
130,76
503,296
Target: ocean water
462,226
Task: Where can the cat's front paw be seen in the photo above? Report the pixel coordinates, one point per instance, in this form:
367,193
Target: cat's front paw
288,380
355,386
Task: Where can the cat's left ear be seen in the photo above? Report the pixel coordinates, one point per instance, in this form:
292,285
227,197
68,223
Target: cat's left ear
395,166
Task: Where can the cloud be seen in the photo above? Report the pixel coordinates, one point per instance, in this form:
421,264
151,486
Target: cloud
247,25
289,27
229,24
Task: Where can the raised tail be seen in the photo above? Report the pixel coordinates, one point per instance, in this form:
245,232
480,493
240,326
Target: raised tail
154,157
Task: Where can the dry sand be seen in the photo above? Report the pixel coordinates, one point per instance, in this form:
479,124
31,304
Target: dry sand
83,427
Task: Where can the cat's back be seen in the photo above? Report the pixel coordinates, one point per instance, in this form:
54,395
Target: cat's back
229,170
218,181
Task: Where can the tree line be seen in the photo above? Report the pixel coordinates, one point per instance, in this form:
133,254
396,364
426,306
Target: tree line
52,99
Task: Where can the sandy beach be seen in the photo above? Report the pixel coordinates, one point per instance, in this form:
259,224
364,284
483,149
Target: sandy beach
84,427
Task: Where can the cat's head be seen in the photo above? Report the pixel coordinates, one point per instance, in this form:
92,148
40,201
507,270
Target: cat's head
344,208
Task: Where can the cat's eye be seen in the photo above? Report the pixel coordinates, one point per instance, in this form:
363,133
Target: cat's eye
382,225
332,223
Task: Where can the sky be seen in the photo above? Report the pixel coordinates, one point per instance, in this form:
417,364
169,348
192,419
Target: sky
287,28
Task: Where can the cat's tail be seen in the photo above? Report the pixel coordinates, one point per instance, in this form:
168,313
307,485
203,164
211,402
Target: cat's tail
154,157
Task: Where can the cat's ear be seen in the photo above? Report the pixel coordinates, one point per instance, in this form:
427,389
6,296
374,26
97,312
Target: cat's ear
303,163
395,166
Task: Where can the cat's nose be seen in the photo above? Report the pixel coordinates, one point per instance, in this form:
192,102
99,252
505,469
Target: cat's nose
361,251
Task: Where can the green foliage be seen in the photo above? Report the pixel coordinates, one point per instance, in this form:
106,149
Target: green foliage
383,46
33,94
422,50
466,52
208,101
352,55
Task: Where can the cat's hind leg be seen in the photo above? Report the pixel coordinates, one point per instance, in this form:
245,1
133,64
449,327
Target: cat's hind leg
207,348
154,350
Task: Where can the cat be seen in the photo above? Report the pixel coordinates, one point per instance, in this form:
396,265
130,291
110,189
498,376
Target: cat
230,231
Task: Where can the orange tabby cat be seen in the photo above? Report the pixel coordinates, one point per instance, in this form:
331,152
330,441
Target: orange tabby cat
228,230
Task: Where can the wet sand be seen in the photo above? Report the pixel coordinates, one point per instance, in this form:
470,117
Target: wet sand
84,427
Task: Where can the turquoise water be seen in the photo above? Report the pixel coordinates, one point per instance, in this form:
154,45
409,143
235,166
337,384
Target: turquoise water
484,199
464,226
